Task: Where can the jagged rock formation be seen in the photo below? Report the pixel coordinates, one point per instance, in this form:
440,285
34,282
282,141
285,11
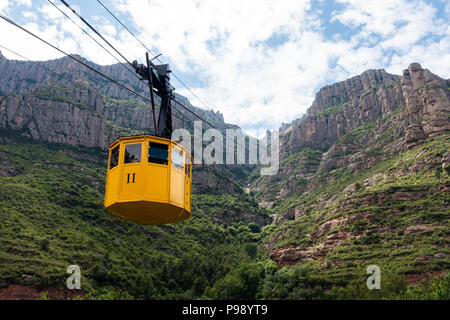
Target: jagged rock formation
331,175
23,76
427,98
342,107
53,121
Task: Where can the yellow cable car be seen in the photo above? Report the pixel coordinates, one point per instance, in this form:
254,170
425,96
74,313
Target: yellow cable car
149,176
148,180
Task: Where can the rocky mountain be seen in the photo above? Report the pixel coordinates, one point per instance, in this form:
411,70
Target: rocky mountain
364,179
342,107
419,98
107,107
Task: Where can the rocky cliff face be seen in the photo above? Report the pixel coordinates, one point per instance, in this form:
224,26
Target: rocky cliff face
373,144
23,76
341,107
427,98
53,121
420,99
72,83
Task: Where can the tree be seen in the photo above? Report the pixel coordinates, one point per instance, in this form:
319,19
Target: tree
438,173
251,249
254,227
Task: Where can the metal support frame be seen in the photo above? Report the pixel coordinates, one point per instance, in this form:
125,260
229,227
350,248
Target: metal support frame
159,83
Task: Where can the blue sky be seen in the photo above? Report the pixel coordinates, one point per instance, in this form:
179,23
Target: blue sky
259,62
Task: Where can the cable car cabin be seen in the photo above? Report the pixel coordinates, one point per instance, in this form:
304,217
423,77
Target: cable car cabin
149,177
148,180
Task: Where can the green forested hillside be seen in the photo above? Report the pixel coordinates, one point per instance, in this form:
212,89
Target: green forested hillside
52,216
399,222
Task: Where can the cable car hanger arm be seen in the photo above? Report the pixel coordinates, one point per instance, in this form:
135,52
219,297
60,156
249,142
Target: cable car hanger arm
159,82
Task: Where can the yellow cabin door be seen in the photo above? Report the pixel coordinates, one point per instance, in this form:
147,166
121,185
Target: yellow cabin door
158,172
157,186
177,187
133,173
112,186
177,177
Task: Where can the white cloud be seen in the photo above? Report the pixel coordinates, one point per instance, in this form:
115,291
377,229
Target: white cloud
409,31
24,2
241,70
55,28
242,73
434,56
400,24
4,6
30,15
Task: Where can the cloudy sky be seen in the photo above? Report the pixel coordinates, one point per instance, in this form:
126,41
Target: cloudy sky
259,62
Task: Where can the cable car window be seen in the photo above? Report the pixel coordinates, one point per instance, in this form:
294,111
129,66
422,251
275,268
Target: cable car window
177,158
132,153
158,153
114,160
